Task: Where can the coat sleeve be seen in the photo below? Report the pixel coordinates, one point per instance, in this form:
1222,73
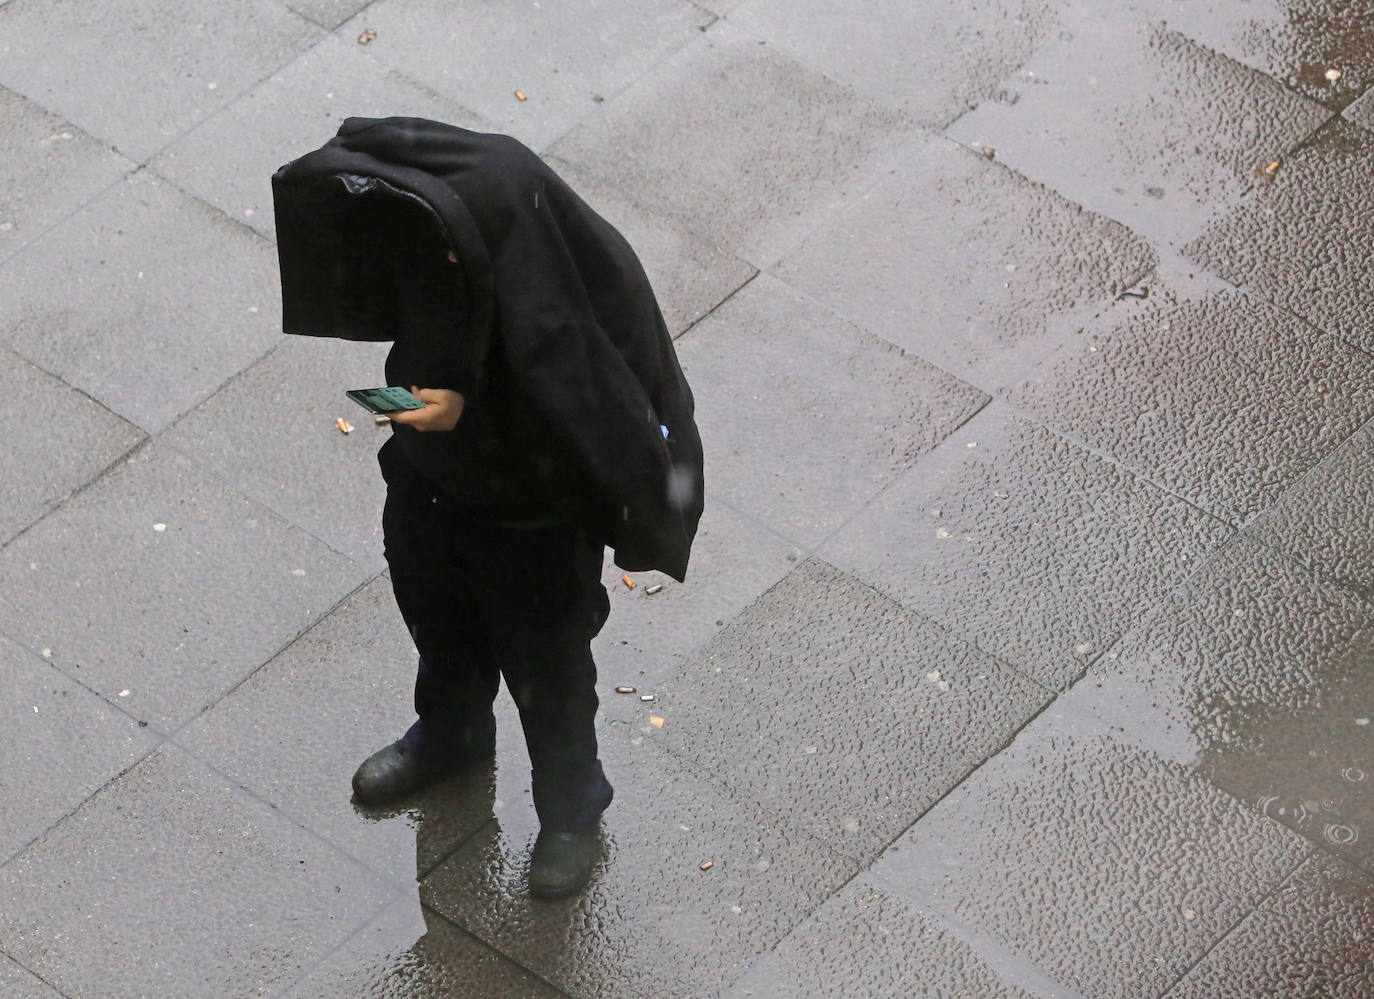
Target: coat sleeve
602,416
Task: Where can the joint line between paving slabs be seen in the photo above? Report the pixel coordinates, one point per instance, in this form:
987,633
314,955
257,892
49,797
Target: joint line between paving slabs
712,310
64,995
1259,902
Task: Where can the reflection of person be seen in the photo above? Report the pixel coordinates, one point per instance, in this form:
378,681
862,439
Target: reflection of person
556,421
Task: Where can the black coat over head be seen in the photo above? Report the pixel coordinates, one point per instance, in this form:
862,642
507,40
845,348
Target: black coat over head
493,278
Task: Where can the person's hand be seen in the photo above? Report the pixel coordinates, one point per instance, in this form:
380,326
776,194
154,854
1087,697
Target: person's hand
442,409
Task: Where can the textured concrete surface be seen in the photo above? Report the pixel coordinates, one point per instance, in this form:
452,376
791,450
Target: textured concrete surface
1028,646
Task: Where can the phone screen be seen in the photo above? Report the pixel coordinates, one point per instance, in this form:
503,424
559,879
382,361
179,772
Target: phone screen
384,400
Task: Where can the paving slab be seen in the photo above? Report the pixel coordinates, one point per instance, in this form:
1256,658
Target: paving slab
565,58
690,276
738,143
839,711
1026,545
164,621
294,732
653,922
1170,392
48,168
172,881
1362,111
139,74
869,941
649,635
412,951
1140,124
48,459
1296,41
964,263
1323,520
272,432
1310,938
229,159
1302,240
60,743
327,13
806,417
1254,673
1093,859
932,60
147,300
20,983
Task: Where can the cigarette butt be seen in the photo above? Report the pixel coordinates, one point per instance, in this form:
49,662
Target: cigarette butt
656,722
628,582
706,865
381,421
344,425
367,36
520,96
624,689
646,697
1272,167
655,588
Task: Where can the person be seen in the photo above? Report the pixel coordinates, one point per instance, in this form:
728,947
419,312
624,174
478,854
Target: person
556,421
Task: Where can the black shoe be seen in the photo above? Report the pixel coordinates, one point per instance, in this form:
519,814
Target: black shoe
392,773
562,862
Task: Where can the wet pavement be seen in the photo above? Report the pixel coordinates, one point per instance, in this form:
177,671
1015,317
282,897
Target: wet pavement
1028,645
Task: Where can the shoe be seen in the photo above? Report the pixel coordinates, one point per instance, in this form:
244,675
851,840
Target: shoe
392,773
562,862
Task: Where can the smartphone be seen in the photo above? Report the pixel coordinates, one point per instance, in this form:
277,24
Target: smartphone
384,400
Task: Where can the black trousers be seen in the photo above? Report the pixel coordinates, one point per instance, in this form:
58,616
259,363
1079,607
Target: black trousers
482,601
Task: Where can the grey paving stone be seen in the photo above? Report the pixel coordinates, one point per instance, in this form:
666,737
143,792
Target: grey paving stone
966,264
1323,520
1310,938
868,941
48,458
1026,545
174,616
652,923
48,169
60,743
560,56
147,300
294,732
272,433
139,74
1302,241
1296,41
1362,111
172,881
229,159
412,951
1099,863
933,60
690,277
20,983
1140,124
806,417
1254,673
648,635
1171,391
327,13
832,706
738,143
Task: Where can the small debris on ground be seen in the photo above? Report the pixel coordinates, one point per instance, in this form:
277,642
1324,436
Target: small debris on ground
706,865
1333,75
520,96
344,425
624,689
629,583
123,693
656,722
654,589
159,527
367,36
381,421
646,697
1134,293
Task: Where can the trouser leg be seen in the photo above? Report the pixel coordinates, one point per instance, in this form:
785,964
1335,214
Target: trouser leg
458,676
544,609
